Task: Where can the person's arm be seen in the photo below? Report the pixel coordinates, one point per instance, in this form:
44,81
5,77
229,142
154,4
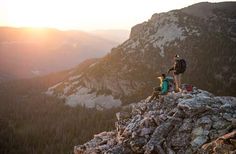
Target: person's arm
173,68
164,88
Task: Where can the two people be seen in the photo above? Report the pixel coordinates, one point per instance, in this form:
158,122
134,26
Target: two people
179,68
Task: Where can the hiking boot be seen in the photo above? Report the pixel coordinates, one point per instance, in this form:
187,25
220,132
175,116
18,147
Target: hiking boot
178,90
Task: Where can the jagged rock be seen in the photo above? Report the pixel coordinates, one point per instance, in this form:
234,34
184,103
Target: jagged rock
136,30
234,122
220,124
158,137
180,139
100,143
181,123
228,117
186,126
146,131
137,144
122,115
204,120
222,145
198,142
199,131
118,149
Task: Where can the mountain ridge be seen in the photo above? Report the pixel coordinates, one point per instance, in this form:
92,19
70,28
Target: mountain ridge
29,52
129,71
117,35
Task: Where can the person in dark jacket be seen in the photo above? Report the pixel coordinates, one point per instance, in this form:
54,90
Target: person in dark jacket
162,90
178,68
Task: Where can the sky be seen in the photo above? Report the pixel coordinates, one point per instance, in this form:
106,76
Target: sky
84,15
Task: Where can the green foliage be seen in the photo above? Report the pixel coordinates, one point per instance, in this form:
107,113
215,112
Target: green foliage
34,123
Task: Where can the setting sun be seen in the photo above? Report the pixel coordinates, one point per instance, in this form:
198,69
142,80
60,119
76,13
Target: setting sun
152,76
80,14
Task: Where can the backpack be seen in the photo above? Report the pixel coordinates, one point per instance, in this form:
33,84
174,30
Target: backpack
188,87
171,83
181,66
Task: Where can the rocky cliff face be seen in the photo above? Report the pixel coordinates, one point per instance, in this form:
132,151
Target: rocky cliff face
204,34
196,122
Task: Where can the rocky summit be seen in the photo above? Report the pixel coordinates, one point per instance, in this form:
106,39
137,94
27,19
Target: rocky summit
178,123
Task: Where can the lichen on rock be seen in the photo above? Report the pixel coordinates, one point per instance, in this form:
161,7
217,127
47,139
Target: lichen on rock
179,123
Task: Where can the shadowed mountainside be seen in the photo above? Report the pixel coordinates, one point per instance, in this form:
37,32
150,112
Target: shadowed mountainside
204,34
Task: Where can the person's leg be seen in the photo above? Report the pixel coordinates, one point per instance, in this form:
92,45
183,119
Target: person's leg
161,99
176,77
180,87
152,97
155,95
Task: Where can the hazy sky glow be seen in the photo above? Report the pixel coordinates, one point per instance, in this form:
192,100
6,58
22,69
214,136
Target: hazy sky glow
84,14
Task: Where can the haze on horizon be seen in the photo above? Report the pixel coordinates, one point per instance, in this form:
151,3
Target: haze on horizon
84,15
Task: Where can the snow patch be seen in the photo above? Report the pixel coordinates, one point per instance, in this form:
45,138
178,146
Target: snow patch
75,83
49,92
67,89
36,72
84,97
74,77
92,65
50,89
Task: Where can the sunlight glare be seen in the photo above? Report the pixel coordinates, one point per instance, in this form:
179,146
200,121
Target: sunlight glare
83,14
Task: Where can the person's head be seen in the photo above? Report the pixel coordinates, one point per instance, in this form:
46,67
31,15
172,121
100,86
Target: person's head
176,57
163,76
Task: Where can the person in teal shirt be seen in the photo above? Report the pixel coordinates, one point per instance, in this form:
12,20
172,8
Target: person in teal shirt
164,85
162,90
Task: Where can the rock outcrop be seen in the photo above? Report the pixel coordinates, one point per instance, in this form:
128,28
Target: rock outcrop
223,144
178,123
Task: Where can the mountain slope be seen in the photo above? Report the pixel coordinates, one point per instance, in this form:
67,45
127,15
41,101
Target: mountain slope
28,52
204,34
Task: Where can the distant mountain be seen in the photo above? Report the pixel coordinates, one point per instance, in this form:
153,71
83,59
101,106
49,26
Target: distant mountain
4,77
116,35
27,52
204,34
